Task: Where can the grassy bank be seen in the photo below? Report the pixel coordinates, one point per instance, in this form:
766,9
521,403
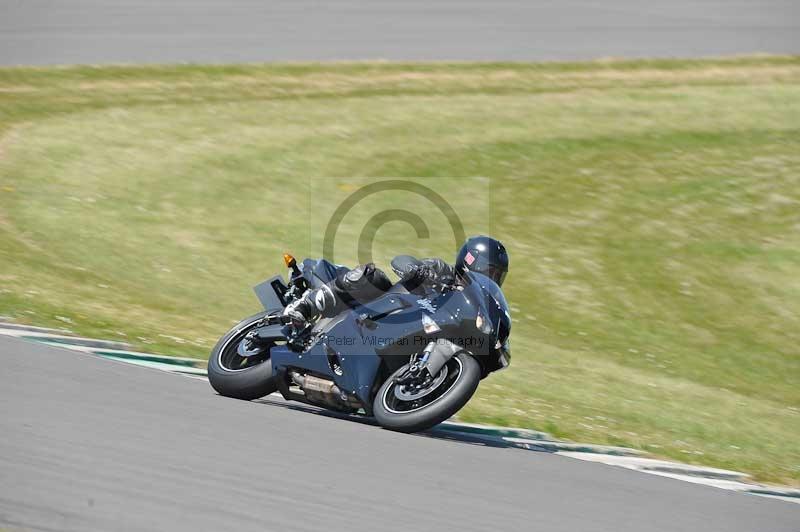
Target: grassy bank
651,209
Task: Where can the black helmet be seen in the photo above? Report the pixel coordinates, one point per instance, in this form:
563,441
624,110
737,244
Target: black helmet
483,254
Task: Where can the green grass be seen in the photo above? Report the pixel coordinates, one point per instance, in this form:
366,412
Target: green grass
651,210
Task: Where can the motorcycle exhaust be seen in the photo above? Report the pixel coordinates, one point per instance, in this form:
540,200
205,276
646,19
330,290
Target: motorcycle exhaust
323,390
315,384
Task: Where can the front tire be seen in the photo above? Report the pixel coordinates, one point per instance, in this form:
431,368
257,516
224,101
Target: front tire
452,393
234,376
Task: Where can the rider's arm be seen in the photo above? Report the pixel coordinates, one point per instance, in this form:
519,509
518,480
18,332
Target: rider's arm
415,271
442,272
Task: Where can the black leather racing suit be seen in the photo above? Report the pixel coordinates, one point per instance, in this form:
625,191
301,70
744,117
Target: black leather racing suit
364,283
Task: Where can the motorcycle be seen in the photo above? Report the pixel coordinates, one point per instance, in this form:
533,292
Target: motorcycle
411,358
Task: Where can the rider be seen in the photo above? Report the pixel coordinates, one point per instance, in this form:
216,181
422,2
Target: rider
364,283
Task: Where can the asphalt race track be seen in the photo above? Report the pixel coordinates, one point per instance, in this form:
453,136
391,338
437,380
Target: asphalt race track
132,31
92,444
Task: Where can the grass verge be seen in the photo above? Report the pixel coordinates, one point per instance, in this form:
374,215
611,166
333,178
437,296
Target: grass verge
651,208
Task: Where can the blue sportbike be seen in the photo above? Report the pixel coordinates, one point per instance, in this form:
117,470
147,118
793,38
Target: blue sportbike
410,358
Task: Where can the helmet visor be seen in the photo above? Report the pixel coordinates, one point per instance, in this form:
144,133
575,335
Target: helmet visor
493,271
496,274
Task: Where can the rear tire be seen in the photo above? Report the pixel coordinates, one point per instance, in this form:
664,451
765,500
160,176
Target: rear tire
441,408
247,382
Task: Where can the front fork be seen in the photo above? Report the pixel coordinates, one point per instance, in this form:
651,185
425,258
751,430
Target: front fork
434,357
417,372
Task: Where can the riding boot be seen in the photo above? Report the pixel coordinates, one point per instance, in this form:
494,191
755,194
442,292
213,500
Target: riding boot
311,305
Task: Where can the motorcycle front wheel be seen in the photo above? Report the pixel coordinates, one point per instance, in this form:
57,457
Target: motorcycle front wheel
408,409
240,377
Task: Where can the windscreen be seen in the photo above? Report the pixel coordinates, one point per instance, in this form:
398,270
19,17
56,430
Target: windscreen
491,287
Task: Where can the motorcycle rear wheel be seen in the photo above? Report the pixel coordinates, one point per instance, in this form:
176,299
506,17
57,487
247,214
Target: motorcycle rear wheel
234,376
406,412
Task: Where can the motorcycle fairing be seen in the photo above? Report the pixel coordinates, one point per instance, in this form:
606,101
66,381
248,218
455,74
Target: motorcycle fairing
353,338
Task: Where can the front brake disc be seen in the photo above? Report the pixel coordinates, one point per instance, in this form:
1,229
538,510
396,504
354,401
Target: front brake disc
409,392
